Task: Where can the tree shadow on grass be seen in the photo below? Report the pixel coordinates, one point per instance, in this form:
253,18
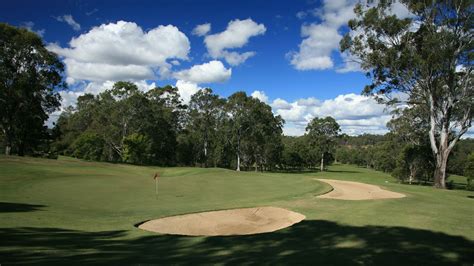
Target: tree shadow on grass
19,207
323,242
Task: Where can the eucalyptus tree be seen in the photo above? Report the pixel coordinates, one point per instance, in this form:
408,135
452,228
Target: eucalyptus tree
238,122
322,134
30,78
428,56
253,131
409,129
264,141
164,124
204,111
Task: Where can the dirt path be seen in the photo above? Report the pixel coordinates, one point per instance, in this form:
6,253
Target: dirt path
227,222
347,190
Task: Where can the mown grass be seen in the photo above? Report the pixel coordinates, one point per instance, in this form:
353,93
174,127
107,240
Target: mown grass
67,210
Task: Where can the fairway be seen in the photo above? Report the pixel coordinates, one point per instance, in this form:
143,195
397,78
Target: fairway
54,211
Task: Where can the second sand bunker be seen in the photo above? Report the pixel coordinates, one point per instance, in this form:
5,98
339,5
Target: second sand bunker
348,190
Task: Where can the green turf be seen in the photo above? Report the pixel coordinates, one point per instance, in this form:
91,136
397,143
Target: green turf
67,210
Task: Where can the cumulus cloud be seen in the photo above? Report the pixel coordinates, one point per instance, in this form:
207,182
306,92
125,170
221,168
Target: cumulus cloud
321,40
279,103
70,21
236,35
356,114
260,95
201,30
122,51
213,71
100,71
315,50
186,89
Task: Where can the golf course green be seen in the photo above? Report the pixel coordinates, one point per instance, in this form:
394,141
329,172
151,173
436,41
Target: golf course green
68,210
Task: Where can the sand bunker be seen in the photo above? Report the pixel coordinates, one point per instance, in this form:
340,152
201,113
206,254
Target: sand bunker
347,190
227,222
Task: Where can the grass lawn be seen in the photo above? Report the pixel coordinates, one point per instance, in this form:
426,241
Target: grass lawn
67,210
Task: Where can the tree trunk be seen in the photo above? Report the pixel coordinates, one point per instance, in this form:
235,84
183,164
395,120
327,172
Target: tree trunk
440,170
8,141
238,150
205,153
238,161
8,149
412,174
322,162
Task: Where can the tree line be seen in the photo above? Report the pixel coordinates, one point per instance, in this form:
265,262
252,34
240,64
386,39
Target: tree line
127,125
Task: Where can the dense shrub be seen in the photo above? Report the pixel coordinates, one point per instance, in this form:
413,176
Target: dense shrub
88,146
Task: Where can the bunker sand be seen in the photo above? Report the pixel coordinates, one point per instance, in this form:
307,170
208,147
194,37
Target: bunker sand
347,190
246,221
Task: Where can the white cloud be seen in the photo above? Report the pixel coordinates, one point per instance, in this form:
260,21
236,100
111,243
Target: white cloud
70,21
336,13
236,35
279,103
234,58
213,71
201,30
356,114
29,25
315,50
260,95
186,89
311,101
321,39
99,71
123,51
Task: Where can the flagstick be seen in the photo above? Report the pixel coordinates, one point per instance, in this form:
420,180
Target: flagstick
156,188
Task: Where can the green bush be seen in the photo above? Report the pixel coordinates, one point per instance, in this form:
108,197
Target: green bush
88,146
136,149
469,172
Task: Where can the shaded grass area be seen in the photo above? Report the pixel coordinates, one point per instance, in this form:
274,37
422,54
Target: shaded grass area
312,241
72,211
19,207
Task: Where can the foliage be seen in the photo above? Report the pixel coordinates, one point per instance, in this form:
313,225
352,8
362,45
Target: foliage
399,55
415,164
88,146
469,171
136,149
322,134
30,78
156,128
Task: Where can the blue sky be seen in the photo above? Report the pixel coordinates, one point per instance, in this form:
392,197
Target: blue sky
282,52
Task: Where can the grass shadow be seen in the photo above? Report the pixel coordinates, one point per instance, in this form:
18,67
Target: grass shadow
19,207
312,241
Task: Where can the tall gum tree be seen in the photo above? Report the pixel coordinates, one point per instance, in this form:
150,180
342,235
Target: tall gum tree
322,134
30,78
428,57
